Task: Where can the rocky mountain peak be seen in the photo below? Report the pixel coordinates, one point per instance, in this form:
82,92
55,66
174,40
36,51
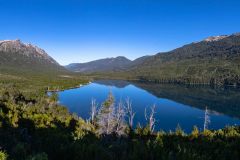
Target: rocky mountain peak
215,38
17,46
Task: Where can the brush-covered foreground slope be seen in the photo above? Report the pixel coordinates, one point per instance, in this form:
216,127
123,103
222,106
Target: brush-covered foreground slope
215,60
40,129
101,65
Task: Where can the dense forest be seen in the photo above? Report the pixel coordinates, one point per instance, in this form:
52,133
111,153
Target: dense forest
38,128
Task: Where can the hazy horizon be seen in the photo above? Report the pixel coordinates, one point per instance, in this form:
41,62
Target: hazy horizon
81,31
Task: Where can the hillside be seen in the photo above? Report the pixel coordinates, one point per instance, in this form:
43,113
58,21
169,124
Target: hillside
101,65
30,68
213,60
16,56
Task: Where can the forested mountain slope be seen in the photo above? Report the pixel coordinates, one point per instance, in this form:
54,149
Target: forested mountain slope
213,60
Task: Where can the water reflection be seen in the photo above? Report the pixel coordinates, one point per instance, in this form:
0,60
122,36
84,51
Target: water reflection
175,104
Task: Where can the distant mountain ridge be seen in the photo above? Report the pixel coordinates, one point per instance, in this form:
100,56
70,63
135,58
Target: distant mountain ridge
16,56
218,46
101,65
119,63
214,60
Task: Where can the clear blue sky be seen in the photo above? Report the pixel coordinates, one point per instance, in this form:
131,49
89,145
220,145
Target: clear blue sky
84,30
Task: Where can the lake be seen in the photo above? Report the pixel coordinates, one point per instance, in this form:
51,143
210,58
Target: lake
175,104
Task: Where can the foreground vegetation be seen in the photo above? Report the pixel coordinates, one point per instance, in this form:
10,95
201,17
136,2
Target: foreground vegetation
37,128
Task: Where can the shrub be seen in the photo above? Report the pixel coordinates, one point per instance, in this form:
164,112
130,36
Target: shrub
3,155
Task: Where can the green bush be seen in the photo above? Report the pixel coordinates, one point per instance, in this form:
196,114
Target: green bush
3,155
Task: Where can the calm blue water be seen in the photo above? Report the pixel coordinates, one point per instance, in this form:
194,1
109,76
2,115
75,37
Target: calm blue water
174,104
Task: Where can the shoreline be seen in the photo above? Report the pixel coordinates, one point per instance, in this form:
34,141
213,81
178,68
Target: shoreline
78,86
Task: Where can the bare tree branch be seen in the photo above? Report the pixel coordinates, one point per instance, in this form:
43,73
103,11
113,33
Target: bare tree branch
130,113
150,118
120,115
93,111
206,119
